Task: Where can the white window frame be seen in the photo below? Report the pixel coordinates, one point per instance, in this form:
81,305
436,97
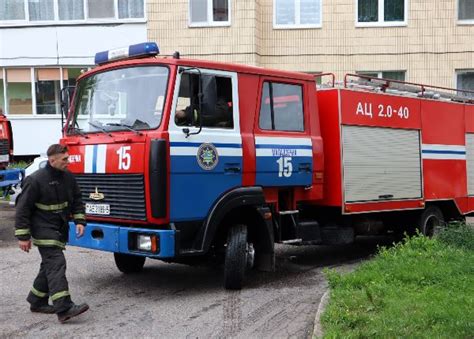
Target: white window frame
297,25
210,20
381,22
86,20
462,21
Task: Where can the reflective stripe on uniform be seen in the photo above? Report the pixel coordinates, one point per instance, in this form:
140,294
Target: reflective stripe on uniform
79,216
58,295
22,231
49,242
39,294
54,207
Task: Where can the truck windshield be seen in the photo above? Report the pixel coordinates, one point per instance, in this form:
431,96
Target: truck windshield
129,99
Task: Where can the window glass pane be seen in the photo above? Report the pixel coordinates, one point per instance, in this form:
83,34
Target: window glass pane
466,81
47,91
71,9
394,75
285,12
101,9
198,10
41,10
70,76
12,10
130,9
309,12
368,10
466,10
19,91
265,119
394,10
288,107
220,9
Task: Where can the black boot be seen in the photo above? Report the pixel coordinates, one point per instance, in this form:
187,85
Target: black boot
73,311
48,309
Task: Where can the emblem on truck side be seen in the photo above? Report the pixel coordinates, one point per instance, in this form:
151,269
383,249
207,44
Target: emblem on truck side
207,156
96,195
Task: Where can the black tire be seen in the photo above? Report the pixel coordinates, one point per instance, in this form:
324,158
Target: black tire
235,257
430,221
129,263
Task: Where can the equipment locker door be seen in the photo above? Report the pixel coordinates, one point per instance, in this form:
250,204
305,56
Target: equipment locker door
205,162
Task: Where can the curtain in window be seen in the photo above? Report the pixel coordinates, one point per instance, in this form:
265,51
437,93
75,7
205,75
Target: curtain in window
12,10
41,10
285,12
71,9
309,12
220,10
130,9
394,10
466,10
368,10
198,10
99,9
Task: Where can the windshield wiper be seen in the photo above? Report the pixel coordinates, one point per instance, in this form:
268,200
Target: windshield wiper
130,128
100,128
77,130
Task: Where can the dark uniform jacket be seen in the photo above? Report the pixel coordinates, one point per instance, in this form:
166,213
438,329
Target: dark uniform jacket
49,198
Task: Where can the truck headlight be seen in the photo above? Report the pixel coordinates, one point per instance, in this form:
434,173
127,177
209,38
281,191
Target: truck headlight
147,242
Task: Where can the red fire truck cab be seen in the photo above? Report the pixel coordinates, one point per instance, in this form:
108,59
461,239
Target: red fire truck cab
183,159
8,177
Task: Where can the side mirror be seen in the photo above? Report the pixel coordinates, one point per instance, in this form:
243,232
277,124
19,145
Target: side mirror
66,97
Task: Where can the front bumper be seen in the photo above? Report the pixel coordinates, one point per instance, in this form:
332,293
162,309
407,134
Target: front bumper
120,239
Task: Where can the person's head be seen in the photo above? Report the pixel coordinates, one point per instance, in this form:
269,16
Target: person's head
58,156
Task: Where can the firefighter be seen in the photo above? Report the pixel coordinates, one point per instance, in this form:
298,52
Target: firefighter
49,198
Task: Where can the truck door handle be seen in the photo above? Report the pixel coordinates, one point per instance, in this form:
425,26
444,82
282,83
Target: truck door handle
304,167
232,168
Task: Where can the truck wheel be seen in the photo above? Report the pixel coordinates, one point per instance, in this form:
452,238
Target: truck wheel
129,263
238,256
430,221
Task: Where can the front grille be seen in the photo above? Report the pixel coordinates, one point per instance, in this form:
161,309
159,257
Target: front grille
125,193
4,146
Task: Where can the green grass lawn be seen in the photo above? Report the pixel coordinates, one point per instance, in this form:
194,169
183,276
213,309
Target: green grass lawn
421,288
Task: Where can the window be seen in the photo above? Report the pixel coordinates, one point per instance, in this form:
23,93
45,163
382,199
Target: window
71,9
36,12
297,13
41,10
2,95
209,12
281,107
391,75
381,12
466,10
19,97
465,80
47,86
216,105
12,10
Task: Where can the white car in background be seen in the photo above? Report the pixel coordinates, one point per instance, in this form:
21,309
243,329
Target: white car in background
38,162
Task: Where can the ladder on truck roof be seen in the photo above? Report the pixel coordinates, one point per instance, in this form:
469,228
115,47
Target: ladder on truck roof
397,87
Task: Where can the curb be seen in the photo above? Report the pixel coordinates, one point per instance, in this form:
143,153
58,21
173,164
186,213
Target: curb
317,330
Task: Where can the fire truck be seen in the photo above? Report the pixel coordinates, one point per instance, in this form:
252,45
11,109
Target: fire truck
184,160
8,177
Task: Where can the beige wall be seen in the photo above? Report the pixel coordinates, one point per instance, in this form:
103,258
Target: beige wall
430,48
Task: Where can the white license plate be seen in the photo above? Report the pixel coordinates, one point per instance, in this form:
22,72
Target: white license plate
100,209
4,158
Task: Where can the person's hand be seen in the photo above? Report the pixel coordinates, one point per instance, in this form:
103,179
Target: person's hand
25,245
79,230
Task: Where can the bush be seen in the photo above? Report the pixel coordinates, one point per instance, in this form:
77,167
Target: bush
457,234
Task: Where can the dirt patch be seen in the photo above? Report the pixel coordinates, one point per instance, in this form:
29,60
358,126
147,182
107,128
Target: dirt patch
7,224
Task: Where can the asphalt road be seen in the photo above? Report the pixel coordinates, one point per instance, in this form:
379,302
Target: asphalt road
172,300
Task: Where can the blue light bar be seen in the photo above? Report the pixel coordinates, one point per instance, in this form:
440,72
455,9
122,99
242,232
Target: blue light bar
133,51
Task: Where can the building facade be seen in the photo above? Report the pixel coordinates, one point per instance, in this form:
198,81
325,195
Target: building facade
44,46
423,41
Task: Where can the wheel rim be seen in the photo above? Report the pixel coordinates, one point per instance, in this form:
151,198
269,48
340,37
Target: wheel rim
431,223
